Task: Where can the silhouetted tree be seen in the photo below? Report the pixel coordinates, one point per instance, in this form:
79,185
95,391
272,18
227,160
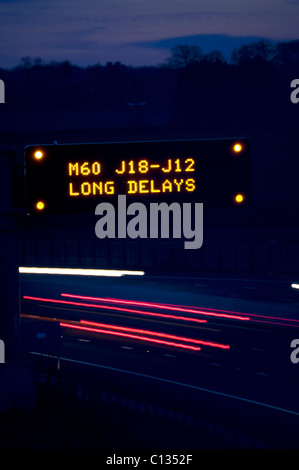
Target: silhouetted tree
287,58
184,55
264,50
201,90
26,62
214,57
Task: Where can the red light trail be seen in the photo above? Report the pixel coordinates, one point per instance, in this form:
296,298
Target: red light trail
141,312
126,335
159,306
154,333
198,310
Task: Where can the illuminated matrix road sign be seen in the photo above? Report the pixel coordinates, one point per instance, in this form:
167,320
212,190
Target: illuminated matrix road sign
74,178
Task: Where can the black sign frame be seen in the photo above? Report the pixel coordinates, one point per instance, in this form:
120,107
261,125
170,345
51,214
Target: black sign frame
58,182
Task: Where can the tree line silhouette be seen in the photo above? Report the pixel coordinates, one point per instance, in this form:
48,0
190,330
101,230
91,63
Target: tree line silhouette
195,88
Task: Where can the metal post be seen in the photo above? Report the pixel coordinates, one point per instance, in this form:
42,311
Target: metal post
9,257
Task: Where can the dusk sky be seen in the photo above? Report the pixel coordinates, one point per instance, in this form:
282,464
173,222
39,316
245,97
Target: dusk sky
136,32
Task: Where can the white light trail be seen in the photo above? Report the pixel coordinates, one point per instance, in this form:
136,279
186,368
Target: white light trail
80,272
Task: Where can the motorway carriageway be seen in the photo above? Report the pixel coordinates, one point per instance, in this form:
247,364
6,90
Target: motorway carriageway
173,330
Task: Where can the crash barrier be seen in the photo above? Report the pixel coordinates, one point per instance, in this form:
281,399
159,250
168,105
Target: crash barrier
203,419
165,255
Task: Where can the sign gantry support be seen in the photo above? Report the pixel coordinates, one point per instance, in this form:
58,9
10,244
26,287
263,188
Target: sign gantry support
9,262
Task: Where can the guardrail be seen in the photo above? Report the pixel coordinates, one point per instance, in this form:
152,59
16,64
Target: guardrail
164,255
191,417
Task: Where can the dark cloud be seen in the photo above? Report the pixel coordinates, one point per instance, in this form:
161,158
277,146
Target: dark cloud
208,42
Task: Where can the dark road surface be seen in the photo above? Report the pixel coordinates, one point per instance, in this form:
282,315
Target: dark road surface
241,349
259,354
